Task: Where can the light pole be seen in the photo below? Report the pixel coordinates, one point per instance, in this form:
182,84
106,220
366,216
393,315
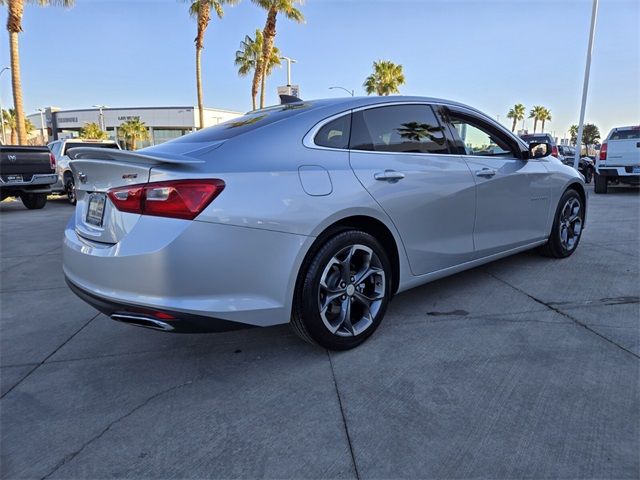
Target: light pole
289,62
585,85
101,116
41,110
4,138
350,92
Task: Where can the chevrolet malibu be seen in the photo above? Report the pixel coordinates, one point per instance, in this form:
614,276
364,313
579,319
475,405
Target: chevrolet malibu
312,212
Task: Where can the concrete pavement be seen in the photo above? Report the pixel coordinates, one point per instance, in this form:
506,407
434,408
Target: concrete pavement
527,367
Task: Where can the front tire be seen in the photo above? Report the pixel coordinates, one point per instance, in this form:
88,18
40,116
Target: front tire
588,175
34,201
342,292
567,226
600,184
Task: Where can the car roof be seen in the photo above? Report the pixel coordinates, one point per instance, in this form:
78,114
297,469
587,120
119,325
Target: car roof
348,103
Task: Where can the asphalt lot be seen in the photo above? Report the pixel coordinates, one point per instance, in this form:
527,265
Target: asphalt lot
527,367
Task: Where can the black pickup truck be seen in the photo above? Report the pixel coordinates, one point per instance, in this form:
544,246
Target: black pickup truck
28,173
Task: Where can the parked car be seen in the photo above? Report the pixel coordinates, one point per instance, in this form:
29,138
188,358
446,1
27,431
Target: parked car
586,167
313,212
619,159
542,138
60,149
27,173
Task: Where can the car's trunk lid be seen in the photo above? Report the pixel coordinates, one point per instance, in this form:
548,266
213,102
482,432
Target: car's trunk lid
98,170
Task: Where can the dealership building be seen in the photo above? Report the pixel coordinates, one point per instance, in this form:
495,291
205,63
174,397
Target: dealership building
163,123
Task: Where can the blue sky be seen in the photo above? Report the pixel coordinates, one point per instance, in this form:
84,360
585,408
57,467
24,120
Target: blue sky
489,54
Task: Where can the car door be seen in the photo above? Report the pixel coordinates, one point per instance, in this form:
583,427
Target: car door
512,194
401,155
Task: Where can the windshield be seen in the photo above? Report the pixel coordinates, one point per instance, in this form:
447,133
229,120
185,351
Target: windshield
244,124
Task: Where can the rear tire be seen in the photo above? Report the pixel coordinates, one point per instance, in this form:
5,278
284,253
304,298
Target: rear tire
567,226
342,292
70,188
600,184
34,201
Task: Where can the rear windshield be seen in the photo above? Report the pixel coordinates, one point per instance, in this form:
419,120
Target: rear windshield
536,138
244,124
631,134
88,144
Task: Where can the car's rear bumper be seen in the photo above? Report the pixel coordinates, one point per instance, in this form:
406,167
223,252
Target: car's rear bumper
198,272
37,183
617,172
165,320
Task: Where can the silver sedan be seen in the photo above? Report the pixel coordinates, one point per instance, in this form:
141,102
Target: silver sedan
313,212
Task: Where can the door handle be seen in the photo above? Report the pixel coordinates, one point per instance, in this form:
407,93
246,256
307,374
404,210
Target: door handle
486,172
390,176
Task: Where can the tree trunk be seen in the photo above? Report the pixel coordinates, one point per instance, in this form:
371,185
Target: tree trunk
253,98
268,39
14,27
199,88
204,15
535,124
513,127
542,129
14,138
133,143
263,82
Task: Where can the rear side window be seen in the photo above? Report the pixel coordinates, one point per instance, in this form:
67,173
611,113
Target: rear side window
631,134
398,128
335,134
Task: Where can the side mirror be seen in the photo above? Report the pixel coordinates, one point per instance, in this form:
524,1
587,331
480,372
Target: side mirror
539,150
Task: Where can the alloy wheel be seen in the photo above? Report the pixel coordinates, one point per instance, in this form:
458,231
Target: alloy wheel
352,289
570,223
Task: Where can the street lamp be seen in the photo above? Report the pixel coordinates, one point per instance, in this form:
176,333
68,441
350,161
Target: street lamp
289,62
4,138
101,117
350,92
42,110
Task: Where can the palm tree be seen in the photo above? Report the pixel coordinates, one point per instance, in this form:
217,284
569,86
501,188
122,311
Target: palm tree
273,7
14,27
247,59
201,11
93,131
385,79
536,113
545,115
10,122
517,113
132,131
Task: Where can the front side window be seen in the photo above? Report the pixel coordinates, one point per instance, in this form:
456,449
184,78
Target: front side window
398,128
478,140
334,134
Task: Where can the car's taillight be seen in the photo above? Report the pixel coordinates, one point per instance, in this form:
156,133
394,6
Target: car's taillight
603,152
554,151
52,161
176,199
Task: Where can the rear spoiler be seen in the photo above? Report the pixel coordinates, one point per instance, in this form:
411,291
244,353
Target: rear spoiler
94,153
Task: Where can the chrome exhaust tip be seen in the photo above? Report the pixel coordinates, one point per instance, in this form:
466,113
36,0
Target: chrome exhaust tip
142,321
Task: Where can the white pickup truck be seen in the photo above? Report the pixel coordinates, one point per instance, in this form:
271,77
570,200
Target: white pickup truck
59,148
619,158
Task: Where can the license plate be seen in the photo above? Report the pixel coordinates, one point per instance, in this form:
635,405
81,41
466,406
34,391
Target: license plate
636,169
14,178
95,211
